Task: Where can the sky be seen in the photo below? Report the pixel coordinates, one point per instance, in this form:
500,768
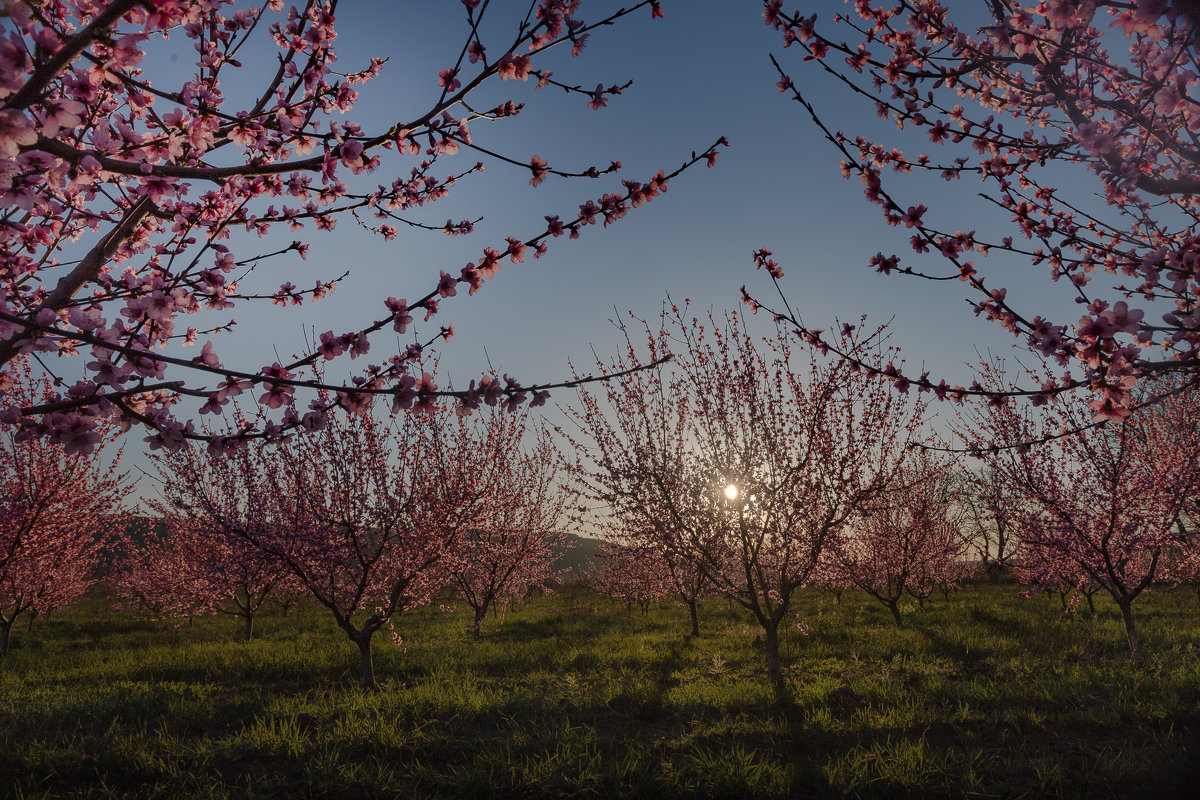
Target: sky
702,72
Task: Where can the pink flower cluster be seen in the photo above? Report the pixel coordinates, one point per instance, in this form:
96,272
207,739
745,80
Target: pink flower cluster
150,187
1106,87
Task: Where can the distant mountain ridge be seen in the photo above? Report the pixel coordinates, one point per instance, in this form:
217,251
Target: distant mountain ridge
579,555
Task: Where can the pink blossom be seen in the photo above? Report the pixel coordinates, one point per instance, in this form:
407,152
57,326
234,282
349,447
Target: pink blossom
538,166
207,357
16,131
512,66
330,346
598,100
400,316
448,79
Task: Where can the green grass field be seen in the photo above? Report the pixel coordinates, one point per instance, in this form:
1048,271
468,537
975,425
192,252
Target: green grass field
983,695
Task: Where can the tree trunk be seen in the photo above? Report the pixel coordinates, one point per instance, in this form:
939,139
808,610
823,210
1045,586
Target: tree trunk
894,605
6,626
1135,645
771,643
695,619
477,628
368,666
1091,604
248,618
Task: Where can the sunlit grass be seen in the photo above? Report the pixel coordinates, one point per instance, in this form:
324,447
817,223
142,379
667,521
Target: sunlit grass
982,695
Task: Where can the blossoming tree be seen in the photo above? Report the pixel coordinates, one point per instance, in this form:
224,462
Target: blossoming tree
753,457
655,460
1016,101
195,571
1103,504
365,513
157,579
513,542
630,574
129,202
987,522
59,511
906,539
1181,564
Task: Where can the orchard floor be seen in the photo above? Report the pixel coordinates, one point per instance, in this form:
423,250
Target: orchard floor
982,695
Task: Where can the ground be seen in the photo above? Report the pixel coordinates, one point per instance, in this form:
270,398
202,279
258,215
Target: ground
984,694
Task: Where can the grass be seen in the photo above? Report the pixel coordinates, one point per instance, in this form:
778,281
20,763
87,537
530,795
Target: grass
982,695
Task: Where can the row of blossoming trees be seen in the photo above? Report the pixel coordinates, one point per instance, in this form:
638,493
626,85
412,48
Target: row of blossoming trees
124,203
739,468
59,511
755,471
367,517
745,469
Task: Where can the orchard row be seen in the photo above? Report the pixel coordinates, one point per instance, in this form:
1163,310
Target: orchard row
716,462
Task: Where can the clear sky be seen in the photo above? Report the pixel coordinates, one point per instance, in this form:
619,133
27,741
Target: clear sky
702,72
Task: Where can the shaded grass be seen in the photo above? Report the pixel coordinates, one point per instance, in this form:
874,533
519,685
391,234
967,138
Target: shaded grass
983,695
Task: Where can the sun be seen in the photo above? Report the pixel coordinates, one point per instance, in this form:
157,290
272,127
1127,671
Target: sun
731,492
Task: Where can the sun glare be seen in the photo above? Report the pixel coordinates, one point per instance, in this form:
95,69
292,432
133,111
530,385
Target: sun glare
731,492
